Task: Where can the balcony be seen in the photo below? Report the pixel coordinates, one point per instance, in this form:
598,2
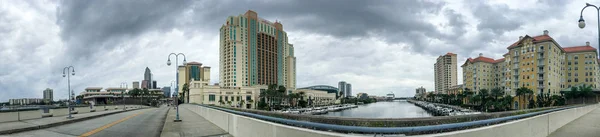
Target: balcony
515,67
541,64
515,61
540,57
540,72
540,78
540,87
540,51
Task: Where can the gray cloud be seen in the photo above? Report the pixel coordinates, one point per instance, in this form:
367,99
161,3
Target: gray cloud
379,46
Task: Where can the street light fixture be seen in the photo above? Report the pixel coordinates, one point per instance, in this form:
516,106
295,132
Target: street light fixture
123,93
582,22
66,69
176,74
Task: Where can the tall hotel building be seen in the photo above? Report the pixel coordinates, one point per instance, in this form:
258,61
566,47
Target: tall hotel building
445,72
255,51
538,63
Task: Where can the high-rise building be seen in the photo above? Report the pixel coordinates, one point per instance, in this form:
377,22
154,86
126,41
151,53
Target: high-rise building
348,90
145,84
445,72
342,88
167,91
538,63
48,95
255,51
420,92
136,84
154,84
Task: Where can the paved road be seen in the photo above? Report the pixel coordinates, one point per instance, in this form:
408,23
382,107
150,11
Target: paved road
138,123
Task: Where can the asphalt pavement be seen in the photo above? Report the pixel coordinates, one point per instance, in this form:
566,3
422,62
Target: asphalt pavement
137,123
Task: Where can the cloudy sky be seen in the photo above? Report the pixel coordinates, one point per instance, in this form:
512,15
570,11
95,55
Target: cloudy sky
378,46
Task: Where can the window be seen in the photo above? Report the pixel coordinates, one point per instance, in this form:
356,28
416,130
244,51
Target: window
576,80
211,98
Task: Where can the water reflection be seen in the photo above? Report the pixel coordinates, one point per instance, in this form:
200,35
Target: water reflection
395,109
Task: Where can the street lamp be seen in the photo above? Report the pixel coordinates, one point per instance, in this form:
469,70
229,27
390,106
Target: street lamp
582,22
123,93
176,75
66,69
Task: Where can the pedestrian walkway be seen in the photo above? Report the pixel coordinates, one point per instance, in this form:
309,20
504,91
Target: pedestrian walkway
587,125
34,124
191,124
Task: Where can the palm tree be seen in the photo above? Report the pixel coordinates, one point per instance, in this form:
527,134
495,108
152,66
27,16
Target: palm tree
496,92
483,94
467,94
186,92
522,91
242,103
585,91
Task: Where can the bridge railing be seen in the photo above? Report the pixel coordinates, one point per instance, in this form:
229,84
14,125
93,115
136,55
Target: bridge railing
388,130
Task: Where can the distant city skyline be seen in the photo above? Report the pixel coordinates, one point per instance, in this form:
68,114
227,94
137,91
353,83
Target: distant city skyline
390,48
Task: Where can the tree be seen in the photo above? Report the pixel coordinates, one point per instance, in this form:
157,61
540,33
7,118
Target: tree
558,100
523,91
186,92
585,91
242,103
145,93
496,92
467,93
483,94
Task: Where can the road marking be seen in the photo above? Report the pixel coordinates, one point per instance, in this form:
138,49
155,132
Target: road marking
109,125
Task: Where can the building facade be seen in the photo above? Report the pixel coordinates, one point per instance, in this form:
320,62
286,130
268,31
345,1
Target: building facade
317,97
48,95
192,71
445,72
255,51
25,101
538,63
420,92
135,84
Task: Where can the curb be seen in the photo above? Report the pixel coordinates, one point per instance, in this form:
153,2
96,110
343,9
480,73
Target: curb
12,131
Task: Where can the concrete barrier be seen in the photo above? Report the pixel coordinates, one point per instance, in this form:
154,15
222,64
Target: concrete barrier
537,126
250,127
35,114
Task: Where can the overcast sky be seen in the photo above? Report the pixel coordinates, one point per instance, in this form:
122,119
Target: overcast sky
380,46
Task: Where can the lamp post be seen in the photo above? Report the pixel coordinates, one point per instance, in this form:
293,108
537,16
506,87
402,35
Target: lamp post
66,69
123,93
176,78
582,22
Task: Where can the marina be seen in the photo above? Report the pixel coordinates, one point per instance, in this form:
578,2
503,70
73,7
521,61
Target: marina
319,110
443,110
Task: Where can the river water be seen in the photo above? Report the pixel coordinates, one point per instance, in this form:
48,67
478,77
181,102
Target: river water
393,109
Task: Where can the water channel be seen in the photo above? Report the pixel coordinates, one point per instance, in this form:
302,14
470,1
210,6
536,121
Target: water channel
392,109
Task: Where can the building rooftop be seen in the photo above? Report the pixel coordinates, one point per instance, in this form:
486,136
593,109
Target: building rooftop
579,49
539,38
193,63
92,88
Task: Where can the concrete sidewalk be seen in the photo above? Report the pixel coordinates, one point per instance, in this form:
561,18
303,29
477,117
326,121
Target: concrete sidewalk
587,125
192,124
35,124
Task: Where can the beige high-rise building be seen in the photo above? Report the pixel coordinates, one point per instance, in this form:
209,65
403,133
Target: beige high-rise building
445,72
255,51
538,63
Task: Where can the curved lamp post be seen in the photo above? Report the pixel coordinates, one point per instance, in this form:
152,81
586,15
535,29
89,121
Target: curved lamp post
66,69
176,75
582,22
123,93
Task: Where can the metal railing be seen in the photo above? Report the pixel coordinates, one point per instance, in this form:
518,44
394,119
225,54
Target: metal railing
387,130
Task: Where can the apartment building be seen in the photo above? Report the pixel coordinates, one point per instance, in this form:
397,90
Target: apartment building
445,72
538,63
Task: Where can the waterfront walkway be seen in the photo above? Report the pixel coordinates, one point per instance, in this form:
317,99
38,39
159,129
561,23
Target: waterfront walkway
191,124
587,125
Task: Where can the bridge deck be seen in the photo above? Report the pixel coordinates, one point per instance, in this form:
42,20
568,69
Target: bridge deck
587,125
